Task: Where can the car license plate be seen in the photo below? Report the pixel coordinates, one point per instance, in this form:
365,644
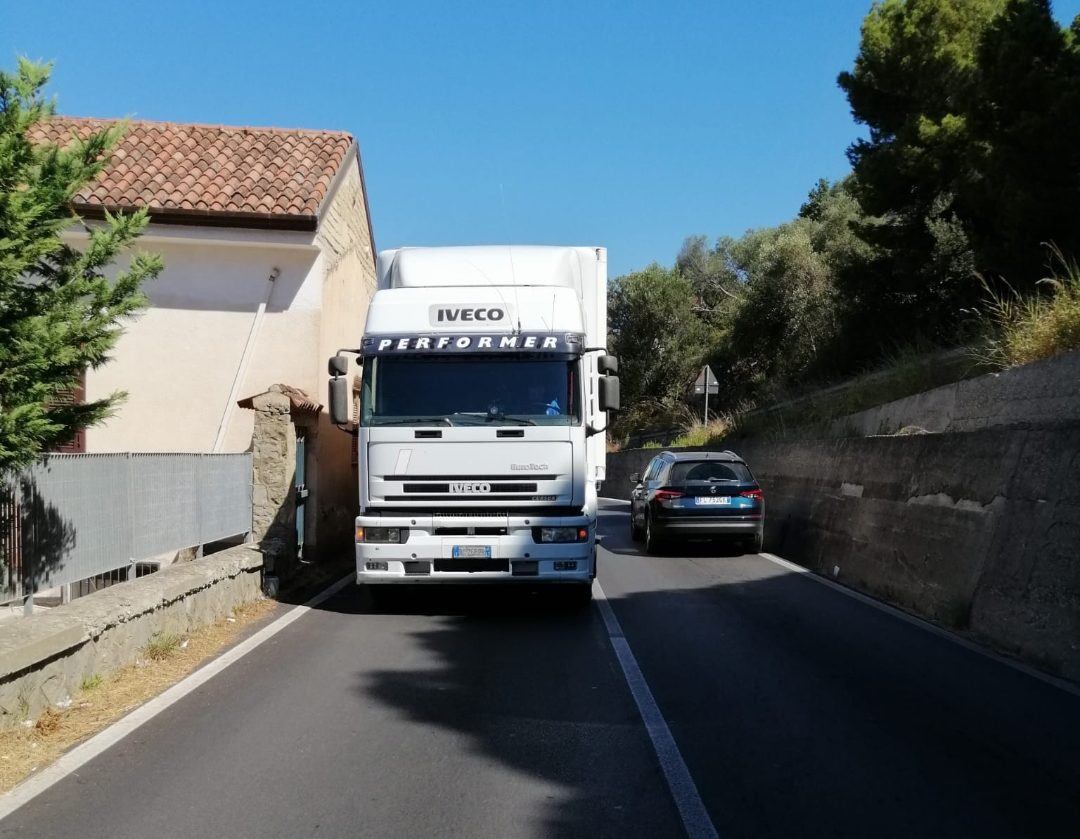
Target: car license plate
472,552
714,500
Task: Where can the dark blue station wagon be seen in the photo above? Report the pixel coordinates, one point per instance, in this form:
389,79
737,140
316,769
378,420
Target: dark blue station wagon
697,494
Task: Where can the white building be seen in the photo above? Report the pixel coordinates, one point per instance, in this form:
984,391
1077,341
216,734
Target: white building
269,266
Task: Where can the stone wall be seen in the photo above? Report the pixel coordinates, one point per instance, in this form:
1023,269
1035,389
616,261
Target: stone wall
349,283
978,531
273,491
273,446
45,658
1042,393
344,231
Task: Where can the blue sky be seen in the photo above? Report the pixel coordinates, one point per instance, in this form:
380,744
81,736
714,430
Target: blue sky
624,124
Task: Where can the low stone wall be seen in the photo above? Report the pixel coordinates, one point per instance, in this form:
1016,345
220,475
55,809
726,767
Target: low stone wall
45,658
978,531
1042,393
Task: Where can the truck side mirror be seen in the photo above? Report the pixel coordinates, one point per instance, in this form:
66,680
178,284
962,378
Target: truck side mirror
339,400
609,393
608,365
338,365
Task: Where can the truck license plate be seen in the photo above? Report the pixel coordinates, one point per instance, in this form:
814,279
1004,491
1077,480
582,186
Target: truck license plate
718,501
472,552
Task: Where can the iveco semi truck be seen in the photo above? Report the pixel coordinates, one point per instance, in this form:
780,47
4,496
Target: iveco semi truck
482,416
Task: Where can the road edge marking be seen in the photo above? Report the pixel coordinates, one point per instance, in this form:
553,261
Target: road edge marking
68,762
684,791
924,624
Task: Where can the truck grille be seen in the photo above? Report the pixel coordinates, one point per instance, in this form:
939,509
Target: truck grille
472,565
494,487
470,478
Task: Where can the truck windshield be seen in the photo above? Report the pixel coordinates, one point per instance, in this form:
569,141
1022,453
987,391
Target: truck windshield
470,390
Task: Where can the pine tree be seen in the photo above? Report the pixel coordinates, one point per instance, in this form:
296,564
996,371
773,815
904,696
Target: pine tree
60,310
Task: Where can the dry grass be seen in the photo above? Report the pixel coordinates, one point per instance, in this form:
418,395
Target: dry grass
27,749
1026,329
700,434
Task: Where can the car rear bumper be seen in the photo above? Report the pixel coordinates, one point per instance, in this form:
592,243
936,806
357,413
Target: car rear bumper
708,527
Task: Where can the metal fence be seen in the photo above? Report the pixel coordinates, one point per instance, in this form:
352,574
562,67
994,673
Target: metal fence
77,517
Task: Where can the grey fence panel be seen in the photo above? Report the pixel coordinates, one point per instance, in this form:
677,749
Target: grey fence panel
76,518
84,515
163,502
224,496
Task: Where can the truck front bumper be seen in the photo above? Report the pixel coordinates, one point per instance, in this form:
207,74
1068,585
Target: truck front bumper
459,549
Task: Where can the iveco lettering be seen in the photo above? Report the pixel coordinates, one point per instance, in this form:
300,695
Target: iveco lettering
461,488
450,314
480,399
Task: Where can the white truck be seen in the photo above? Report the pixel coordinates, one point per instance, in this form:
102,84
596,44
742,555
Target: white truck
482,416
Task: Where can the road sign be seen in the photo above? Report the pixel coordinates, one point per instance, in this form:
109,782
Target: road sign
706,375
706,384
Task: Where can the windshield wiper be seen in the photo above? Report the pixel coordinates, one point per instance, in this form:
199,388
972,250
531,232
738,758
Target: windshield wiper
414,421
510,418
489,417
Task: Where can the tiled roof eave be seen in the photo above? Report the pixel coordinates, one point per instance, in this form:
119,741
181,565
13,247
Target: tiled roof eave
211,175
209,218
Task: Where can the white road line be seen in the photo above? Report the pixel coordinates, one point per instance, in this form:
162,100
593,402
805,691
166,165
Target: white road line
68,763
694,816
924,625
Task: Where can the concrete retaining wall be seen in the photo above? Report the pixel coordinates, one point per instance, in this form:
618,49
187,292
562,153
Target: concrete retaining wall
978,531
45,658
1041,393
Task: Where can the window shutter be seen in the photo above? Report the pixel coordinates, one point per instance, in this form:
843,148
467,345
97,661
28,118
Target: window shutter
75,396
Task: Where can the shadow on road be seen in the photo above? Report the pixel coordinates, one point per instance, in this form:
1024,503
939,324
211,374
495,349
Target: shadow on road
530,680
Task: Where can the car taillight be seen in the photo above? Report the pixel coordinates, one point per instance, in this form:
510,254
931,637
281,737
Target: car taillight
756,494
667,494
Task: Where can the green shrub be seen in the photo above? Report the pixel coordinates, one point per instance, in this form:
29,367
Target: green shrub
91,682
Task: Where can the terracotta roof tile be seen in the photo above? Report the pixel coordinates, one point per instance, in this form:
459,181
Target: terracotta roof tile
268,173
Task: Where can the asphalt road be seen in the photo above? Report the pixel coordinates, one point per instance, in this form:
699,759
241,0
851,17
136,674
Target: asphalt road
797,710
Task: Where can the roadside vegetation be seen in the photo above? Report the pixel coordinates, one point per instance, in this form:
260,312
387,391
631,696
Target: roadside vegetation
162,646
62,309
1026,328
926,264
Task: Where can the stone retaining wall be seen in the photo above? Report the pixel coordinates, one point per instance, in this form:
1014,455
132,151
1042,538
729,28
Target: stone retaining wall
1041,393
46,657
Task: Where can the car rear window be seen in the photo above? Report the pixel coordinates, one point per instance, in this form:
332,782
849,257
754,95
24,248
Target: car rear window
709,470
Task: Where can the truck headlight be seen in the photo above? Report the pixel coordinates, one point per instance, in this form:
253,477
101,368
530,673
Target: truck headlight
560,534
393,535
